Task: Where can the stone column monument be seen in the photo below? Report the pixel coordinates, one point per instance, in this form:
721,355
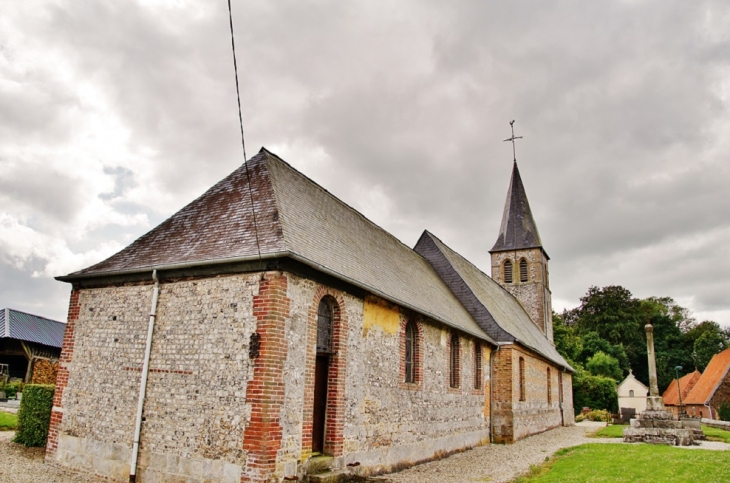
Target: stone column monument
656,425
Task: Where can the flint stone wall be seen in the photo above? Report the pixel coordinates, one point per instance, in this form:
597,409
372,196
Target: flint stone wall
195,409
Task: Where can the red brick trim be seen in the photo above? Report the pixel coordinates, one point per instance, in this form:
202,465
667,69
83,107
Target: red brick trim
417,356
335,419
67,350
265,393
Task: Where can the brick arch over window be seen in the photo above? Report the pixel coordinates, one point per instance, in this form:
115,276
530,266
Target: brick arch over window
507,271
411,354
334,424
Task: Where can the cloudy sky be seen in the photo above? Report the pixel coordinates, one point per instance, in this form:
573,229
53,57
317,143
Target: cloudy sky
114,115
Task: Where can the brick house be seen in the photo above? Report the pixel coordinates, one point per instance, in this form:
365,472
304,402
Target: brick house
671,396
712,389
268,322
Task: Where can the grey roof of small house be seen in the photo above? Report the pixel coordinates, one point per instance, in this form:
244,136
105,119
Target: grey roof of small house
518,229
31,328
295,217
496,311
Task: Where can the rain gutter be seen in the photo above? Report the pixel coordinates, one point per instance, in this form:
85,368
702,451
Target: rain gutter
143,382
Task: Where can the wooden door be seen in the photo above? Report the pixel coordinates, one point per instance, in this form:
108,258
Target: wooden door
319,417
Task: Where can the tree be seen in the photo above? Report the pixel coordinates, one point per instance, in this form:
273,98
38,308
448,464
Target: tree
612,313
706,346
595,392
602,364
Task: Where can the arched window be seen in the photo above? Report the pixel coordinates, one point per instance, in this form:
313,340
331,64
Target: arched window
522,379
523,270
477,365
508,271
454,361
324,327
549,387
631,393
411,352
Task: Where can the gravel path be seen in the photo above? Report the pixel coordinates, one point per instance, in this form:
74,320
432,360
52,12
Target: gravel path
498,463
19,464
492,463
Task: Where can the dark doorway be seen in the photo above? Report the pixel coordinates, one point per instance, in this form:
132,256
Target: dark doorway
321,375
321,371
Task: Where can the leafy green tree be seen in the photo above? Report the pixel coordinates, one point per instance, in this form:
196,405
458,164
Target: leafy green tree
602,364
706,346
595,392
612,313
592,343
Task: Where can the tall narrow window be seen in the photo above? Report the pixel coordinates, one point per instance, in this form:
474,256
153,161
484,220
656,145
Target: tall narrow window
560,387
549,387
477,365
523,270
454,361
631,393
324,327
522,379
508,271
411,348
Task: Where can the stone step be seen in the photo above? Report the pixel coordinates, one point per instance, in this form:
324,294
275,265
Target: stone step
319,464
336,476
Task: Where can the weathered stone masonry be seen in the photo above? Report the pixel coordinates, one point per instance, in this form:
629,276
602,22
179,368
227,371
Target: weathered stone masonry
213,414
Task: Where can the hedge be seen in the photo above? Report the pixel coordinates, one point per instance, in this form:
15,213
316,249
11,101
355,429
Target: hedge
34,415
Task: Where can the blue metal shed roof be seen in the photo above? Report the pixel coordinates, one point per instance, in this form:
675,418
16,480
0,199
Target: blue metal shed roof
31,328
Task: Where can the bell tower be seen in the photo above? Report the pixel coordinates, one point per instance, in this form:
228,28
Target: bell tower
519,262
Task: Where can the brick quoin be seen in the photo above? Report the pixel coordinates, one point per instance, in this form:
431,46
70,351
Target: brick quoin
335,417
265,393
67,350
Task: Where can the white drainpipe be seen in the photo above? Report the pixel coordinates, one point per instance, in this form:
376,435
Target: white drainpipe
143,382
709,408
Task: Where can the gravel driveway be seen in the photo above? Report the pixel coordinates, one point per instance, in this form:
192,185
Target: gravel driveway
19,464
492,463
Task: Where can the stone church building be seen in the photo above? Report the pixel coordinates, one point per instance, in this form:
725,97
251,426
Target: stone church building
268,329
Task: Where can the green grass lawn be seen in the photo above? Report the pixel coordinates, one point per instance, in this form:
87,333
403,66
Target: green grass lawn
611,463
612,431
714,434
8,421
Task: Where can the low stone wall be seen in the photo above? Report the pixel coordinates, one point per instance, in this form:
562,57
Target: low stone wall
716,423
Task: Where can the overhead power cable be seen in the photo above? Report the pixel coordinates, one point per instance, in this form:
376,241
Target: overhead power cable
243,138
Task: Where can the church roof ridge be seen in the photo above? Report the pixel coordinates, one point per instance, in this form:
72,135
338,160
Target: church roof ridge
518,229
496,310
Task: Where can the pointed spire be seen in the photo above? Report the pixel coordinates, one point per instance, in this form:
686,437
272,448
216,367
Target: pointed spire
518,228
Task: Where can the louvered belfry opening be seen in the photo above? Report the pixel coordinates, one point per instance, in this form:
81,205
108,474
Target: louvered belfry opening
410,353
523,270
508,271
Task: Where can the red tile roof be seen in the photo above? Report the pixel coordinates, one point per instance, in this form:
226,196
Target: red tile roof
686,382
711,379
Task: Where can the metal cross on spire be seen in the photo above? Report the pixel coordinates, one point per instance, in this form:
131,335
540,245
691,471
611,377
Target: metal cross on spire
514,153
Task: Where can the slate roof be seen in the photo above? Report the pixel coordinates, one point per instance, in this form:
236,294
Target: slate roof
31,328
295,218
686,383
710,380
518,229
496,311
